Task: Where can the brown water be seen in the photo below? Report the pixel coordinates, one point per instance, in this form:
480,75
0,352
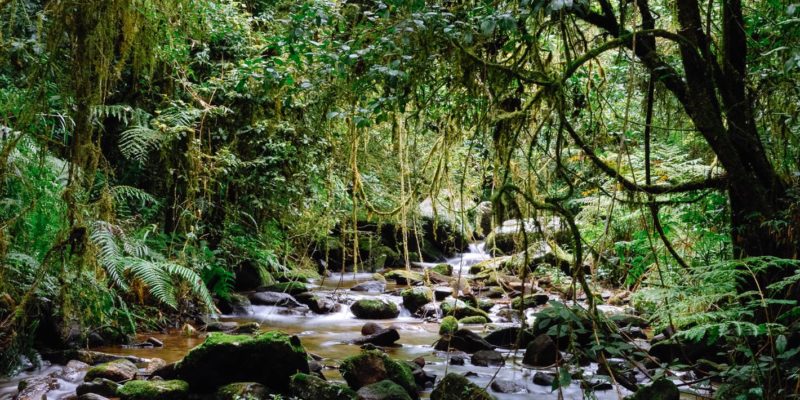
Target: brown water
327,337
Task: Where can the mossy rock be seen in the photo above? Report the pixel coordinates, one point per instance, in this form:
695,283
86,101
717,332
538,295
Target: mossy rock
474,320
297,275
405,277
116,370
304,386
416,297
485,305
383,390
374,309
661,389
292,288
444,269
448,326
456,387
243,390
373,366
269,358
460,309
529,301
154,390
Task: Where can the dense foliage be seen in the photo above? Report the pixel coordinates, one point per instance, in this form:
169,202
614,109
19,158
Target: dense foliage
153,148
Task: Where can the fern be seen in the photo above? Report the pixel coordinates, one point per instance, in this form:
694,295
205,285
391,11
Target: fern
136,260
137,142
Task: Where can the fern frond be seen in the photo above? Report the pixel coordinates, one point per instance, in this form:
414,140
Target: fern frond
155,278
193,279
135,143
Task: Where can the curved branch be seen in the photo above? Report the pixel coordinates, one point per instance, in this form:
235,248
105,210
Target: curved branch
714,182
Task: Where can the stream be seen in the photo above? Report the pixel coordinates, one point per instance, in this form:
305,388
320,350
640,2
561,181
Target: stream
327,337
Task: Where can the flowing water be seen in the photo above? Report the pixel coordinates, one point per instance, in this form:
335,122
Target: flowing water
327,337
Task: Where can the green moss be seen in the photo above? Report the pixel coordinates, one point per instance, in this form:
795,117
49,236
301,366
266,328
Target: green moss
444,269
529,301
288,287
456,387
402,276
448,326
154,390
116,370
385,390
304,386
473,320
374,309
416,297
243,390
373,360
460,309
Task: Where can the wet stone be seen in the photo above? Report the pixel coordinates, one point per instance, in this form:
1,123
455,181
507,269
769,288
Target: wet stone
544,379
507,386
488,358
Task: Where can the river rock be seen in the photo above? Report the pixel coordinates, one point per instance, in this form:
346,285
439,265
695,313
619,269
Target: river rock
101,386
273,299
442,292
243,390
117,371
661,389
541,352
269,358
318,304
507,386
155,342
383,390
456,387
36,388
460,309
428,311
416,297
74,371
370,287
474,320
448,326
443,269
381,337
509,337
405,277
91,396
629,320
374,309
544,378
374,366
248,328
234,304
530,301
293,288
221,326
304,386
154,390
247,276
488,358
464,340
371,328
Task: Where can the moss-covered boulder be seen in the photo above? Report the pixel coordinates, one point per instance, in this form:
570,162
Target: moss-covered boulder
383,390
304,386
374,309
416,297
405,277
374,366
234,304
243,390
464,340
530,301
116,370
269,358
444,269
460,309
456,387
154,390
448,326
661,389
293,288
474,320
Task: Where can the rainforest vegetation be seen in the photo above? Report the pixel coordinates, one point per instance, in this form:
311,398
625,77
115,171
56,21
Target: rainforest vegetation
161,160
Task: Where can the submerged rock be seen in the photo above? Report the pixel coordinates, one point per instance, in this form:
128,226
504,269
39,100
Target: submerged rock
544,378
318,304
417,297
457,387
36,388
383,390
101,386
487,358
510,337
370,287
273,299
269,358
117,371
374,366
304,386
374,309
154,390
541,352
381,337
243,390
464,340
661,389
